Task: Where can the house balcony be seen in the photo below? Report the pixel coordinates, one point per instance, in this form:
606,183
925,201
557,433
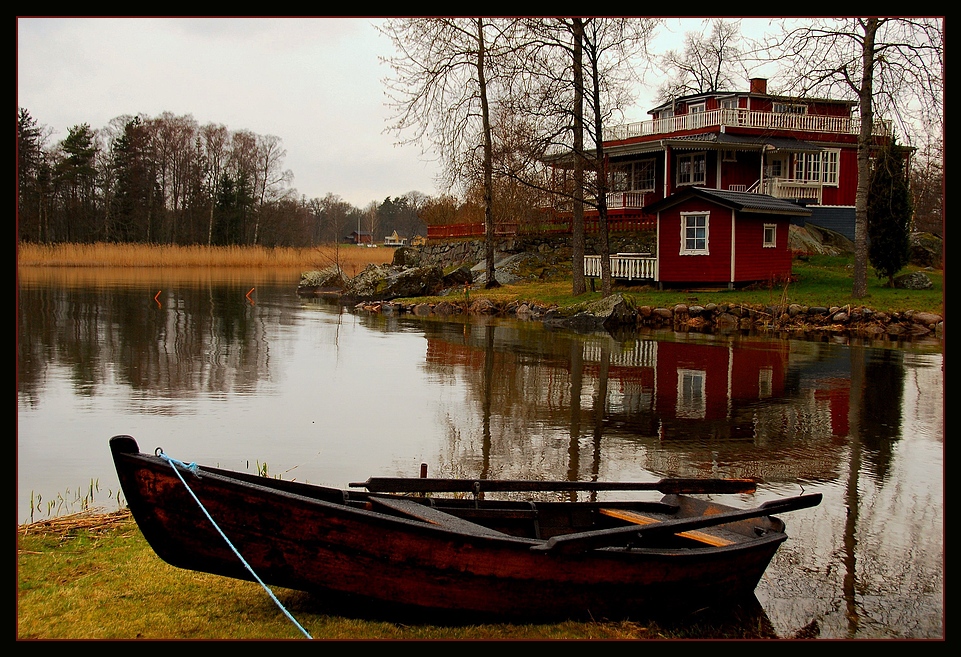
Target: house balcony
742,118
791,189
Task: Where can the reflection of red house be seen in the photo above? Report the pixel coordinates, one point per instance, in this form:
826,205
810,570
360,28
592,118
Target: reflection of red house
701,382
718,236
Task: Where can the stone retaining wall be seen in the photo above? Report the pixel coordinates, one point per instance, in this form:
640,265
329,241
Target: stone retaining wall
471,251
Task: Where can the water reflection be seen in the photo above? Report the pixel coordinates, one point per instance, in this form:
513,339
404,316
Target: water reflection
217,373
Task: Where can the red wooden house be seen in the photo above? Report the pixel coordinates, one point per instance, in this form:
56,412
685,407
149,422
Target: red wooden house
802,150
765,160
795,157
716,236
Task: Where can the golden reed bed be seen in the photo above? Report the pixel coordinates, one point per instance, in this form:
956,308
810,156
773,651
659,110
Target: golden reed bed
349,256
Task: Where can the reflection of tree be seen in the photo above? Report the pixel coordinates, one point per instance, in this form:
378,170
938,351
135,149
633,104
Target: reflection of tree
200,338
852,497
881,411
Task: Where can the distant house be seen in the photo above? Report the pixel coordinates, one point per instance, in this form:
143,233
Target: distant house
359,237
395,240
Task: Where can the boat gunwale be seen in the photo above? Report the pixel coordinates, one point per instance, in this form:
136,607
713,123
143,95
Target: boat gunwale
274,487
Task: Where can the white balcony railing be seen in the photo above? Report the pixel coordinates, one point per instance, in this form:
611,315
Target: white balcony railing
625,200
624,266
792,189
745,118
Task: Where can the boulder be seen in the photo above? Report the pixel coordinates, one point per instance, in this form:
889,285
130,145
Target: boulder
913,281
331,279
405,256
926,250
383,282
459,277
607,313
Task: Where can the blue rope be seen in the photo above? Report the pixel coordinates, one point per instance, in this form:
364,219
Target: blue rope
193,468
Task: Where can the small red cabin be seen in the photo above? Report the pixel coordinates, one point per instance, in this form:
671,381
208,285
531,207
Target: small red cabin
714,236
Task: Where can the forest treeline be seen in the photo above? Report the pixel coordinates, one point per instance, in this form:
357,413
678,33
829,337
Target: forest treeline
170,180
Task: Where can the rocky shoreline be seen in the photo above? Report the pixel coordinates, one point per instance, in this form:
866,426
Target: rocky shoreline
617,311
421,273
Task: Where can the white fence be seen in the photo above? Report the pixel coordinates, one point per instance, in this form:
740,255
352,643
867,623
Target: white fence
624,266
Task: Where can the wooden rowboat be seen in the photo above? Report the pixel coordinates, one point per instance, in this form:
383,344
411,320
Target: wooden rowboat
466,556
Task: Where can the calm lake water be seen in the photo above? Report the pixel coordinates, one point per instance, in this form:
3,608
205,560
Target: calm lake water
236,370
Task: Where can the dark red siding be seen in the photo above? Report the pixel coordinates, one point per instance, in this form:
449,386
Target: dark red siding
712,268
753,262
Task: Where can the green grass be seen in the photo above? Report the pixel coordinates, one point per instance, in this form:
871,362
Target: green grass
818,281
105,582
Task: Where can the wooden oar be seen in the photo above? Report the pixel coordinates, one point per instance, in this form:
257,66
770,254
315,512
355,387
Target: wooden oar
437,485
583,541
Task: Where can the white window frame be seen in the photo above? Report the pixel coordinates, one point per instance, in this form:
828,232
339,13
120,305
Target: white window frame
790,108
698,234
830,166
691,394
769,243
697,113
690,159
822,167
765,382
635,176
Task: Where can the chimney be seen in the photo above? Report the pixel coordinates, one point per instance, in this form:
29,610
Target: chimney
759,86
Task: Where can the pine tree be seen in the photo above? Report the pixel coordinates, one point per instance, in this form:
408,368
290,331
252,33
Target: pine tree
889,212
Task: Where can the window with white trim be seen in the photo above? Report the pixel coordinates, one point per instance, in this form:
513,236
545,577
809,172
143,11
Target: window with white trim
692,169
829,166
818,167
790,108
633,176
697,119
691,394
765,382
770,236
694,233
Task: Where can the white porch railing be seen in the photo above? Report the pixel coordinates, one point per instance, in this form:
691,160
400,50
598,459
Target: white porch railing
743,117
793,189
624,266
625,200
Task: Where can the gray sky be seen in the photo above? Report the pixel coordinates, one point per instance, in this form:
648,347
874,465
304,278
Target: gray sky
316,83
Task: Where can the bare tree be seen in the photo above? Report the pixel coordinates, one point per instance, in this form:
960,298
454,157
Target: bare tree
575,74
608,45
927,186
270,177
892,65
445,76
710,61
216,143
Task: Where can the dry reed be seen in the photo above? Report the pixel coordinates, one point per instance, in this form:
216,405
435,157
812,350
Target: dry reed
150,255
91,519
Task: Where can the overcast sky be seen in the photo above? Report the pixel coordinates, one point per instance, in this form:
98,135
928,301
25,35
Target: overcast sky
316,83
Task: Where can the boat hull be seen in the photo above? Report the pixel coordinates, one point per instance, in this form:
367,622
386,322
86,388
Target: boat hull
306,538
